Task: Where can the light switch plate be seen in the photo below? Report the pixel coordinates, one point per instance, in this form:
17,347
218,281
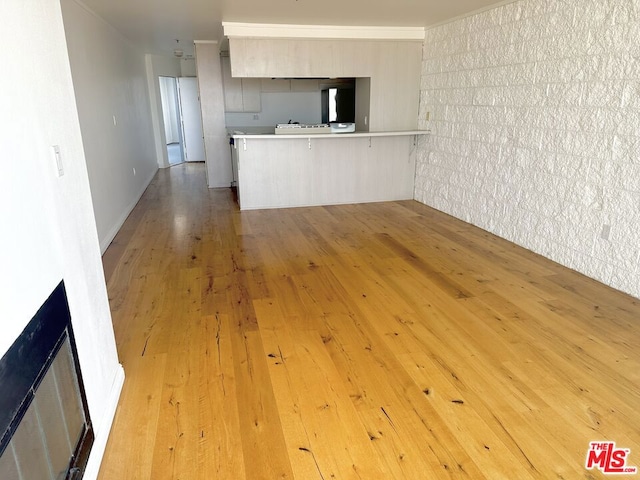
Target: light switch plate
58,158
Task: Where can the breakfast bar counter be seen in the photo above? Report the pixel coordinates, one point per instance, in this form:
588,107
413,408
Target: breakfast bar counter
279,171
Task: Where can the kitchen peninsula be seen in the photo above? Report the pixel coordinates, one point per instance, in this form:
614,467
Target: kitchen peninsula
277,171
381,66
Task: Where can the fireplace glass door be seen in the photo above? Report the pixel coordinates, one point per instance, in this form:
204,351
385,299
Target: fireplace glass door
45,430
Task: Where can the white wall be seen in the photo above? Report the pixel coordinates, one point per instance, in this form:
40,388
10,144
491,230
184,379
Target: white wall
302,107
535,109
49,231
156,66
188,67
216,142
110,82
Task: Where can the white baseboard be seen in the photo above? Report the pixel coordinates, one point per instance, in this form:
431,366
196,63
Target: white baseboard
102,430
105,242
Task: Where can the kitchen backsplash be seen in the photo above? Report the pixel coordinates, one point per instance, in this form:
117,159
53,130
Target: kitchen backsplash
302,107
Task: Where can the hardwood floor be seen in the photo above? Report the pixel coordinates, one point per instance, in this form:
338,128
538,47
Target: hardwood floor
379,341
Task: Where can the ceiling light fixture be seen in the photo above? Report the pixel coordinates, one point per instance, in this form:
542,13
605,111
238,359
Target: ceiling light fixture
178,52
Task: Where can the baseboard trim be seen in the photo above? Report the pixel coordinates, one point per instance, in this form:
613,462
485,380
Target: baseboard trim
103,430
105,242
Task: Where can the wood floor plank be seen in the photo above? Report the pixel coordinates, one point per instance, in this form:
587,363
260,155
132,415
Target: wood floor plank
139,415
368,366
316,412
263,443
373,341
178,436
220,453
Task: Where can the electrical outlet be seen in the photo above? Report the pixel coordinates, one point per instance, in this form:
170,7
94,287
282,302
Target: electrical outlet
134,171
427,116
606,232
256,116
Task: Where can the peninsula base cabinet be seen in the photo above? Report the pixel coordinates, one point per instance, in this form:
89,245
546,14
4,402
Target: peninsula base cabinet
294,172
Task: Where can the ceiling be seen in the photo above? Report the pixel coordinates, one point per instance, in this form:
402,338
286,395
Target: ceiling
155,25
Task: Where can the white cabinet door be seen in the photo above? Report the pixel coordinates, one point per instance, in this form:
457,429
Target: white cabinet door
232,88
240,94
251,95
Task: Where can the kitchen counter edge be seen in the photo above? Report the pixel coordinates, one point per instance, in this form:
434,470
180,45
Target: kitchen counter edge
334,135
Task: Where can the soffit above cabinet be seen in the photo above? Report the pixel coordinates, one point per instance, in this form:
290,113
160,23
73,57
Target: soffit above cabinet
267,30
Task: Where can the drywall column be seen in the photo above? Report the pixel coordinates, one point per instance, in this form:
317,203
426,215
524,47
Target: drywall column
49,229
534,108
216,142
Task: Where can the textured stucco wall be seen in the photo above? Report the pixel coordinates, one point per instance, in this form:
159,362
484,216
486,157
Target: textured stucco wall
535,113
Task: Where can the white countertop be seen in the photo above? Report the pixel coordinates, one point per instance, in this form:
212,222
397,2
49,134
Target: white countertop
334,135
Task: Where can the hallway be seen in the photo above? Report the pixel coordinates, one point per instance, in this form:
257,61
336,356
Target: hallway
377,341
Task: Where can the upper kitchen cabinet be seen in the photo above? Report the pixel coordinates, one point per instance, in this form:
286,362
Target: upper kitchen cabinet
251,97
240,94
390,58
282,85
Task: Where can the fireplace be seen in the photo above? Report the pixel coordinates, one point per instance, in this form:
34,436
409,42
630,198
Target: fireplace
45,429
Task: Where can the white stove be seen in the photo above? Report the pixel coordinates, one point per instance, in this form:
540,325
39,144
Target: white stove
301,129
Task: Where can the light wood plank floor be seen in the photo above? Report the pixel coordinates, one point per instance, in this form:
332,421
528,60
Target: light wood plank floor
379,341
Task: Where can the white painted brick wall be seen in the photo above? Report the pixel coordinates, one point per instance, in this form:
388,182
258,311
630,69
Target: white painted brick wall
535,112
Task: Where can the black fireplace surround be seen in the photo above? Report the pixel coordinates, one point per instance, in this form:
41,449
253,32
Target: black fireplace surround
44,355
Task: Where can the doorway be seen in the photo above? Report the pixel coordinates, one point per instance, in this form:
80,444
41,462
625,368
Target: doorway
171,119
191,116
182,119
